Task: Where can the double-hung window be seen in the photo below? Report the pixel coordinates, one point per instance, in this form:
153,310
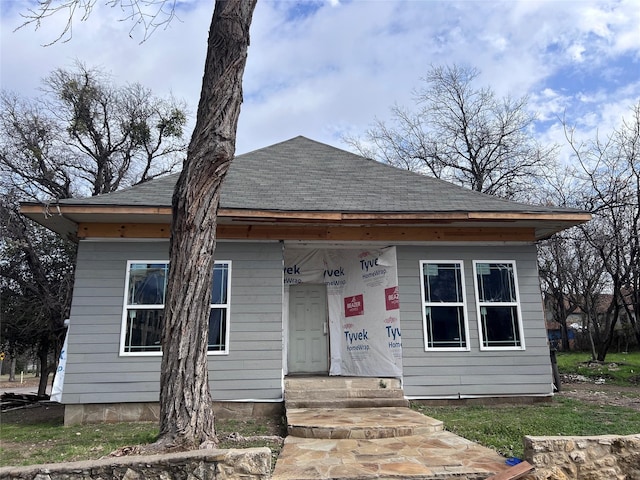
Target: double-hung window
219,314
443,305
145,290
498,305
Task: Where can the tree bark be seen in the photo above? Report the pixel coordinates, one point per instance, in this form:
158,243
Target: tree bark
594,355
12,369
186,414
43,359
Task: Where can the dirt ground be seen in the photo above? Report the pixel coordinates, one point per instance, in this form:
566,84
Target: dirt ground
34,413
42,412
600,394
29,381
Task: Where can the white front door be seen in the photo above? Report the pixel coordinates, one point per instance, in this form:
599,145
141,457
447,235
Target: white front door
308,329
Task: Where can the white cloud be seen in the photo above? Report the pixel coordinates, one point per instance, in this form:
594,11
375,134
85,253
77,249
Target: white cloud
341,64
576,52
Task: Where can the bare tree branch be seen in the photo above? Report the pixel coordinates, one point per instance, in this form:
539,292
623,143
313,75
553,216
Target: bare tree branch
146,14
462,134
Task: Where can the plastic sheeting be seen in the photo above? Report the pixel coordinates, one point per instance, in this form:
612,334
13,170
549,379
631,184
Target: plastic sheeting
363,306
58,381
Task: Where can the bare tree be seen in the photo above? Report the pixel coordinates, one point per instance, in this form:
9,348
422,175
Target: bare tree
88,136
122,134
34,161
148,15
463,134
562,258
36,277
556,267
84,136
186,414
588,283
628,138
610,176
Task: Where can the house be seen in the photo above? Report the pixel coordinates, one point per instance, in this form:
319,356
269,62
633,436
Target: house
579,322
326,263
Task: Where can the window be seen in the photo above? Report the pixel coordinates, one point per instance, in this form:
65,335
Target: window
498,305
443,305
145,289
219,316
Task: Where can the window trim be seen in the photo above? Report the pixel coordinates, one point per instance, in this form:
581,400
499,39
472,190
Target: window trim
126,306
224,306
516,304
463,304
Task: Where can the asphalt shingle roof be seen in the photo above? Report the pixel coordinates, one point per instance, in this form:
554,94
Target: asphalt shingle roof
304,175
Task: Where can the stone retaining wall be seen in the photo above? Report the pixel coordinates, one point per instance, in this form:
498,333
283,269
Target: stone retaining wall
605,457
246,464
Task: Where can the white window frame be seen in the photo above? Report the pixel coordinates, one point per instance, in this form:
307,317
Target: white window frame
463,304
480,304
126,307
226,307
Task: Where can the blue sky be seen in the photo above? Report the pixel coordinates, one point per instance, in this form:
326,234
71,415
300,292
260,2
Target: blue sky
328,68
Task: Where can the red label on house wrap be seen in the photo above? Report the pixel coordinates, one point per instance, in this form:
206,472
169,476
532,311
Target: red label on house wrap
392,298
354,306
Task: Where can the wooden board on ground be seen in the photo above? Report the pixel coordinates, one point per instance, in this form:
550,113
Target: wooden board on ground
515,472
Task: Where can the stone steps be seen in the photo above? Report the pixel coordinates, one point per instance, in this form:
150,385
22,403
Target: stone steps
440,455
343,392
324,382
336,403
335,438
359,423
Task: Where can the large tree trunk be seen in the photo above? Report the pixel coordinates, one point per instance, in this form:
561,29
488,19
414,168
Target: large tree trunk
12,369
562,315
186,414
612,314
566,346
592,344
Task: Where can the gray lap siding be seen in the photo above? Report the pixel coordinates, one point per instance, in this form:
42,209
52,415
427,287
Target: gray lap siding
473,373
97,373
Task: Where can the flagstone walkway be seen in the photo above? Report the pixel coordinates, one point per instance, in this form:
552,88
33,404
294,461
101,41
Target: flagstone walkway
374,443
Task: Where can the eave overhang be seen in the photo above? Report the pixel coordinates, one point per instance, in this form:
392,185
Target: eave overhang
102,221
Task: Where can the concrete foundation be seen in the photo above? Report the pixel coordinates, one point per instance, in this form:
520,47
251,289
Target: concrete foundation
150,412
446,402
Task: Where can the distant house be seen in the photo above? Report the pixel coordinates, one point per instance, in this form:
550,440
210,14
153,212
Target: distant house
327,263
578,324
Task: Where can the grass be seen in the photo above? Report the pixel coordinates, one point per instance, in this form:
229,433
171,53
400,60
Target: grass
50,442
27,443
27,440
252,427
500,427
618,368
503,427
